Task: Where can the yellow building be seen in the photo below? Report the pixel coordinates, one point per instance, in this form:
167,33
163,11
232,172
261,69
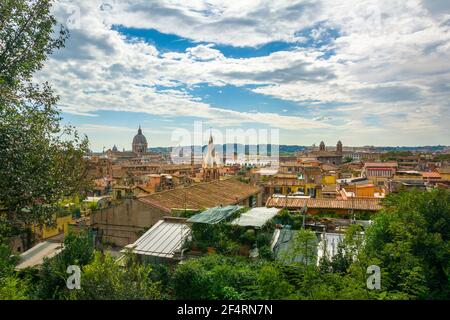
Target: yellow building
445,173
329,179
61,226
288,183
362,191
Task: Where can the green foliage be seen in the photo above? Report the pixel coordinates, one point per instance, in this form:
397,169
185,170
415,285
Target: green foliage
285,217
442,157
304,246
393,155
411,239
14,288
27,38
78,250
11,286
93,206
7,261
38,168
104,279
219,277
347,159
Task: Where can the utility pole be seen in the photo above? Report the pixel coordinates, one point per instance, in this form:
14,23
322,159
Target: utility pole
185,199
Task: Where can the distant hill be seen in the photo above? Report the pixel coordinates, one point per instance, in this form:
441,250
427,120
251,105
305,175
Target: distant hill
292,149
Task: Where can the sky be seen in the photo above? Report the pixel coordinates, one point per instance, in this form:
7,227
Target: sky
361,71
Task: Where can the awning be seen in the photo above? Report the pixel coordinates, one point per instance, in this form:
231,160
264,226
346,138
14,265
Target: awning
214,215
256,217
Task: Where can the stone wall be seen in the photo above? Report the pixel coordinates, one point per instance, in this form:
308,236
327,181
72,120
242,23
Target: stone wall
125,223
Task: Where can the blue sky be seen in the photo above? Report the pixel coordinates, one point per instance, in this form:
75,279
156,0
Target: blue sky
364,72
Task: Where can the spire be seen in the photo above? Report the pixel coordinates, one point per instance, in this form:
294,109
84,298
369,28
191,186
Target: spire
140,130
210,137
210,157
322,146
339,147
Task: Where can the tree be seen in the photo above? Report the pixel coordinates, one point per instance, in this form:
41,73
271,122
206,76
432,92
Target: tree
14,288
410,239
26,39
304,248
220,277
40,160
11,286
78,250
347,159
105,279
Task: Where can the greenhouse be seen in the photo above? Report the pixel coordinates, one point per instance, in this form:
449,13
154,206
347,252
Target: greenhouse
214,215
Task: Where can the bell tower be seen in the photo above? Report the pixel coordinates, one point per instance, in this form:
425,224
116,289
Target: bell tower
339,147
322,146
210,168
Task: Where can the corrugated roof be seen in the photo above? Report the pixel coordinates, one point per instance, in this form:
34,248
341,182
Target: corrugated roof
214,215
202,195
297,203
163,239
256,217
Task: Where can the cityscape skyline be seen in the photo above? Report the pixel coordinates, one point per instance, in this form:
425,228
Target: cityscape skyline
127,145
225,155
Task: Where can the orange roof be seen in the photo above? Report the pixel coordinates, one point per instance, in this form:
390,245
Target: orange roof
297,203
431,175
201,195
381,164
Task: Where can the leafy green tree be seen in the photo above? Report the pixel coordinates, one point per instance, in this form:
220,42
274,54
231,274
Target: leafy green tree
41,161
78,250
347,159
105,279
271,284
220,277
410,239
7,261
304,247
191,282
11,286
14,288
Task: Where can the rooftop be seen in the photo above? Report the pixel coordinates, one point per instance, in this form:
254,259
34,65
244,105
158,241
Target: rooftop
256,217
163,239
381,165
297,203
431,175
201,195
214,215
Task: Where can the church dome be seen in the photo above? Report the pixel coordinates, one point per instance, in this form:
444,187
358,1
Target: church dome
139,138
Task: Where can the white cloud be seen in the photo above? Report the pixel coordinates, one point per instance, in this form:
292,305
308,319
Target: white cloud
390,59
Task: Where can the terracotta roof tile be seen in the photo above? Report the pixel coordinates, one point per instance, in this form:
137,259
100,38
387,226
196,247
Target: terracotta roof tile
294,203
381,164
431,175
202,195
